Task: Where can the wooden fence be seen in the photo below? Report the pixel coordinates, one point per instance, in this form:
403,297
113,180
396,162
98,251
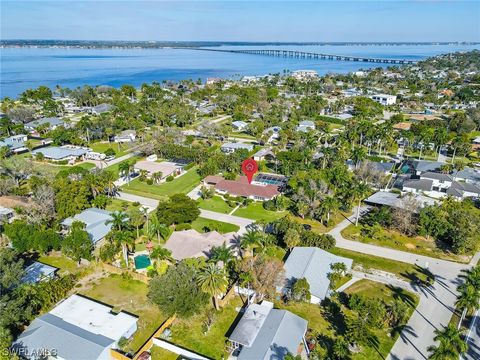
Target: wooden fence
135,275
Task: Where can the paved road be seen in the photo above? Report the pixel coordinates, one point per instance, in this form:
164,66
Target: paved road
473,339
436,302
151,204
104,164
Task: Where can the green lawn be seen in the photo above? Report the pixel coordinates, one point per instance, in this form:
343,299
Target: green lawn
395,240
220,226
182,184
129,295
120,205
188,333
215,203
406,271
255,211
158,353
317,226
101,147
327,324
60,261
45,166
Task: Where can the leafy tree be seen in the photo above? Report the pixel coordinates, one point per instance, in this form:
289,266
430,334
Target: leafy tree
301,290
71,197
77,244
178,209
341,350
177,291
291,238
213,280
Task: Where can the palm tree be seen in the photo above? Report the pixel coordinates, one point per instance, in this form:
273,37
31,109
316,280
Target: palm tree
125,239
143,174
118,220
157,176
441,352
328,205
251,238
213,281
160,253
359,191
157,228
221,253
468,300
450,342
125,168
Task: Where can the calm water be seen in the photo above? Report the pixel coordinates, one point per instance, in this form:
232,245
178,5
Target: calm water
26,68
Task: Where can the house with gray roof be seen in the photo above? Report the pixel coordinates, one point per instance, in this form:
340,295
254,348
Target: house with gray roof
464,190
76,329
313,264
384,198
15,143
468,175
96,222
62,153
232,147
265,333
306,126
421,166
239,125
102,108
417,185
38,271
51,122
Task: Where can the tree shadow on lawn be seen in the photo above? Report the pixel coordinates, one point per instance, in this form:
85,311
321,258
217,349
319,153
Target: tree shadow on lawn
334,315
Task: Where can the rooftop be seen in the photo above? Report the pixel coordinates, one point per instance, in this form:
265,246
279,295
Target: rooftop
241,187
53,121
95,221
166,168
59,153
313,264
37,271
268,333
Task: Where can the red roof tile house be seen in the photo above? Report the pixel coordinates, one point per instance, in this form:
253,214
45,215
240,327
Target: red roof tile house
242,188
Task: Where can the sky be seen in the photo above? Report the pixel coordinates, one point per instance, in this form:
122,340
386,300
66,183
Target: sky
381,20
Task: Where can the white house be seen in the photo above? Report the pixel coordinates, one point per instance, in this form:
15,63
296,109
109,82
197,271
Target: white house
305,74
232,147
306,126
125,136
440,182
384,99
63,153
239,125
15,143
76,329
313,264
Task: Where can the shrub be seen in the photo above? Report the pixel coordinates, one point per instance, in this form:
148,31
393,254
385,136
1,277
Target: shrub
149,182
169,178
62,162
189,166
183,226
110,152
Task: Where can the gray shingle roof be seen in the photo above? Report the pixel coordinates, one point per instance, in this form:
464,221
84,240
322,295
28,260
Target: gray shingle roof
59,153
419,184
312,264
69,341
436,176
95,221
469,174
53,121
458,189
425,165
280,333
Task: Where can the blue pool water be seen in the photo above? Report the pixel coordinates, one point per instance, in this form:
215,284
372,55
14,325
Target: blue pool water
142,262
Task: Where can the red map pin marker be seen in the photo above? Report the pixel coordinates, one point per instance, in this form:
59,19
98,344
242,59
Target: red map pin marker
249,168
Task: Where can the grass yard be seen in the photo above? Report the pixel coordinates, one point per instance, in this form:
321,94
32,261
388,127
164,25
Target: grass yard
393,239
182,184
255,211
101,147
317,226
188,333
120,205
215,203
406,271
130,295
45,166
376,290
220,226
62,262
158,353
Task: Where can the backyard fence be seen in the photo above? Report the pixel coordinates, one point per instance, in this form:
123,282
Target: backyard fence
115,270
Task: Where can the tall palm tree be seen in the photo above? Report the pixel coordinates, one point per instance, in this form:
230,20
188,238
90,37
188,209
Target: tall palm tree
450,342
125,239
468,300
359,191
251,238
157,228
125,168
160,253
213,281
221,253
441,352
119,220
328,204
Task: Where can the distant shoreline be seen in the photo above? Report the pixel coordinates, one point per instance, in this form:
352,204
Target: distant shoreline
90,44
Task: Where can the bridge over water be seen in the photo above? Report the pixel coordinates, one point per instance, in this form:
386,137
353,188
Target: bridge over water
308,55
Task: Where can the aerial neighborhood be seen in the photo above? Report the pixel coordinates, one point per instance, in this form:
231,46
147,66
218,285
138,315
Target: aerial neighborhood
128,229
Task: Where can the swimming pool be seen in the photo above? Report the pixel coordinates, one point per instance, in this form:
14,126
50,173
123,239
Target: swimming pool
142,261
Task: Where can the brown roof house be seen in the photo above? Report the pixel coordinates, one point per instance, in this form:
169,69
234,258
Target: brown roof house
241,187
